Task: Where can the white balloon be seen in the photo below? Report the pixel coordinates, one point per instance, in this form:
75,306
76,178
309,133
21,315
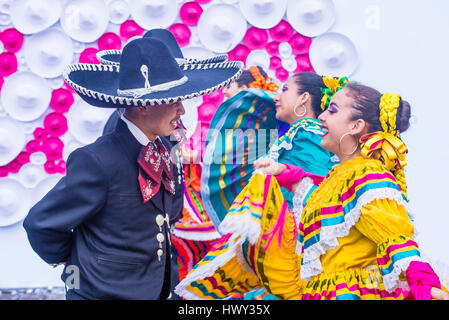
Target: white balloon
221,27
38,158
5,6
86,122
333,54
32,16
31,174
25,96
263,14
48,53
12,140
285,50
196,52
5,19
311,17
85,20
118,11
258,58
15,202
78,47
230,1
289,64
150,14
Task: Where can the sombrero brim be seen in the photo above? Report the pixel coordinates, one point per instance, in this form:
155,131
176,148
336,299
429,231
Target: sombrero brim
112,57
97,84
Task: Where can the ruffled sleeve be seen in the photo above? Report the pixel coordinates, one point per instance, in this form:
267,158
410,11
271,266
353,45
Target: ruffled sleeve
307,152
387,223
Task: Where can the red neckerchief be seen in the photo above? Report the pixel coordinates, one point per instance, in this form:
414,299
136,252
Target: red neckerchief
155,166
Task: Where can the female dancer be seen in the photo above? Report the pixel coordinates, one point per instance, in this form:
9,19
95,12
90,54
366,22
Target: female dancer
354,238
194,232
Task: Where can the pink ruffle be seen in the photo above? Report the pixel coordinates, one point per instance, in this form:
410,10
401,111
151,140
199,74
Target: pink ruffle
294,174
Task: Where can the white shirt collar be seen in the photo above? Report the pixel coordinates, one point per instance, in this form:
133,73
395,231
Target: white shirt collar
136,132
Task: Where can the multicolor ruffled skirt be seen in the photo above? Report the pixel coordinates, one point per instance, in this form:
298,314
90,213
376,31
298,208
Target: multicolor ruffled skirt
257,257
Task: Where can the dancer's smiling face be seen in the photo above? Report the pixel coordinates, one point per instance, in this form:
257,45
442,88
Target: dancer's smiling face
338,120
288,99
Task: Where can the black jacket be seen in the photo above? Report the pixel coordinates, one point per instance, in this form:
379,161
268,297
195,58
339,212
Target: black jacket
95,219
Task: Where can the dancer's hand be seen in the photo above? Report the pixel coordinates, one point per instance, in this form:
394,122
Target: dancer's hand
295,185
270,167
439,294
262,163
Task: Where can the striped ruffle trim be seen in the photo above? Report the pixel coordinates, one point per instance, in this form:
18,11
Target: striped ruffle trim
311,265
394,257
228,248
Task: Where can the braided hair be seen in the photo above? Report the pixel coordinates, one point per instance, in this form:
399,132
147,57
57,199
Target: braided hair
383,113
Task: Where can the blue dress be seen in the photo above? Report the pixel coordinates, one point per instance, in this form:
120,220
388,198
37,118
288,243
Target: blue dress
301,146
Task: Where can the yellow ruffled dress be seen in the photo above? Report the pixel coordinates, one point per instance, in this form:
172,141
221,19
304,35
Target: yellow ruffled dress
349,238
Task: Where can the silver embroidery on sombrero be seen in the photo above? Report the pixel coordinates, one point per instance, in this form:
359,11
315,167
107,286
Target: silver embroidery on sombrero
124,101
138,92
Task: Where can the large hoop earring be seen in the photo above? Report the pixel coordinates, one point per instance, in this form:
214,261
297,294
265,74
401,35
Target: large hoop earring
339,145
302,114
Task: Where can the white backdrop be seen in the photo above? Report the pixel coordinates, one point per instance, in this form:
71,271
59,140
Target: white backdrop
403,48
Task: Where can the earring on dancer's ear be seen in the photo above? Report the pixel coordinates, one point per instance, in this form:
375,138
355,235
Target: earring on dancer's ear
302,114
356,145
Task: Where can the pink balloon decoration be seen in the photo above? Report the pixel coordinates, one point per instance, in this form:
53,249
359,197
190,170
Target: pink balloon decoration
206,112
300,44
23,158
61,167
215,98
281,74
304,64
282,32
255,38
12,40
4,171
40,134
52,147
2,81
33,146
203,1
8,64
275,62
129,29
109,41
272,48
190,13
239,53
182,33
61,100
89,55
50,167
55,124
14,166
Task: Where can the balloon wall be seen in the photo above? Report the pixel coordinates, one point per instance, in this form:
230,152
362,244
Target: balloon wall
42,120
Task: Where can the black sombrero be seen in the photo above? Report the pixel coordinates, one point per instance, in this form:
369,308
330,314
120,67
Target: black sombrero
147,74
164,35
